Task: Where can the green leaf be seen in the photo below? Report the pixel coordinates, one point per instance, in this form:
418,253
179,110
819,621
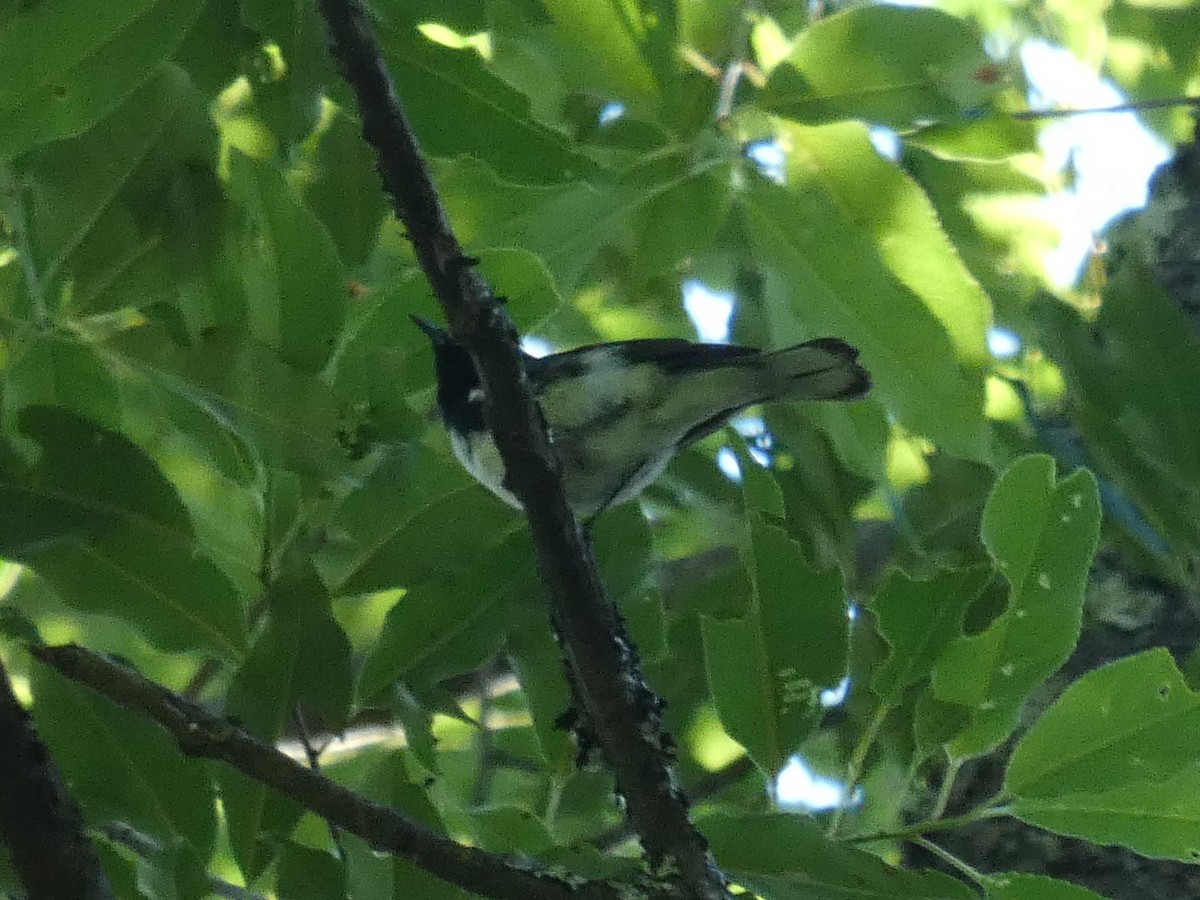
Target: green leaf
282,415
1042,535
50,368
621,541
882,64
15,624
1135,415
122,766
760,491
187,421
820,492
375,876
492,122
178,873
1125,723
918,619
65,68
404,527
90,214
691,192
610,34
291,270
342,187
567,224
538,661
893,210
121,871
1017,886
307,654
300,660
510,829
118,481
97,520
217,45
1154,818
936,723
455,622
825,276
994,212
787,857
726,594
382,358
991,137
417,723
768,668
287,91
308,874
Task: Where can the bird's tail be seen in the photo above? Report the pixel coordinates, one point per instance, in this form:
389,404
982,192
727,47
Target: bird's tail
824,369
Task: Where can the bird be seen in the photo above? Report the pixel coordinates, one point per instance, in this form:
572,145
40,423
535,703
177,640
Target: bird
618,412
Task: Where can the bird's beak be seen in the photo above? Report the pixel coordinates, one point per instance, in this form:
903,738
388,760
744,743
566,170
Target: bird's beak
433,332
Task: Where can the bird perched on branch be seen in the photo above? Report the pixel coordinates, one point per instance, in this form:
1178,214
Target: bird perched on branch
619,412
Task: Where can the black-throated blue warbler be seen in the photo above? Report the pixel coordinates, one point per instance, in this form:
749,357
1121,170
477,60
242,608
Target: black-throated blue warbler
619,412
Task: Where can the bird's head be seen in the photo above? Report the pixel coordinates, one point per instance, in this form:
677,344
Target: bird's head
455,370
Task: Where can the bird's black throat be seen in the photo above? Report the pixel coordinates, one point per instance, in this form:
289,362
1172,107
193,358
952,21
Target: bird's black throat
459,393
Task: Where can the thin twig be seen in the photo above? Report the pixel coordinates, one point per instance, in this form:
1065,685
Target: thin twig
313,753
618,705
1132,106
484,774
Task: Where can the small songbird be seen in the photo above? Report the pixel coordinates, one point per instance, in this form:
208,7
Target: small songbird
619,412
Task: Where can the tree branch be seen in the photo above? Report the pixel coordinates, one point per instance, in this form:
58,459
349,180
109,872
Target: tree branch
620,708
39,819
201,734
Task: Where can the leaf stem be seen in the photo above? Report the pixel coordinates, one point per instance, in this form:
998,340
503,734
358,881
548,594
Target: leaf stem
947,788
951,860
932,826
858,761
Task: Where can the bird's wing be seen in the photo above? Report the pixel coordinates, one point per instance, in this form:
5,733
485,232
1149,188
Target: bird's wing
672,355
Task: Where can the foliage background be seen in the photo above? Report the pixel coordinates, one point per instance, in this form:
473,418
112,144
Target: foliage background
217,461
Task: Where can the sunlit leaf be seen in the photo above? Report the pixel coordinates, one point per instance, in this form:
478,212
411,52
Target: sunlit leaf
825,276
1042,533
882,64
768,667
891,209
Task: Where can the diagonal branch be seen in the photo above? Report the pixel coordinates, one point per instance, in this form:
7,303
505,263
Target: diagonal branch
201,734
619,707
